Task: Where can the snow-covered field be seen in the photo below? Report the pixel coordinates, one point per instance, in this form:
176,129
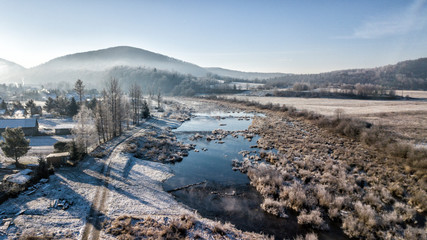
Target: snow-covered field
49,124
43,145
353,107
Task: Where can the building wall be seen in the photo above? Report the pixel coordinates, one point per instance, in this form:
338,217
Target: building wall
27,131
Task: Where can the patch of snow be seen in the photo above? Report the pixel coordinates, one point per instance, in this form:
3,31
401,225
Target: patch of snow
20,178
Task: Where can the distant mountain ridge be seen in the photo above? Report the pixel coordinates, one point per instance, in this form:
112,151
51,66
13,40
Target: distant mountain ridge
9,69
96,66
103,59
410,74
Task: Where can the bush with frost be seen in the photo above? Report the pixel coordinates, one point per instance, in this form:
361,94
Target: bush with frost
312,218
274,207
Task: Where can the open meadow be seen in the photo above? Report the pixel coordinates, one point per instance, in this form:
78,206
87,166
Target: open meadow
406,119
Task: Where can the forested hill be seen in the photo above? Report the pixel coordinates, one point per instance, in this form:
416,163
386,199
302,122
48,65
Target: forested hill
9,69
243,75
125,63
411,74
121,56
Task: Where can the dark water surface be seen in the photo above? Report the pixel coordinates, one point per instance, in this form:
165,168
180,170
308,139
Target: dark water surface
225,194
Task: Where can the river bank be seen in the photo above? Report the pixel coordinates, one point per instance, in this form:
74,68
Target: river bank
328,178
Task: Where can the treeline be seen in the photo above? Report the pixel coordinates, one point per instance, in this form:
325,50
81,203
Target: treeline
358,91
63,107
100,119
170,83
410,75
29,108
109,115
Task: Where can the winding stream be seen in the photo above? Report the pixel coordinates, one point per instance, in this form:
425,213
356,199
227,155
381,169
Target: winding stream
224,194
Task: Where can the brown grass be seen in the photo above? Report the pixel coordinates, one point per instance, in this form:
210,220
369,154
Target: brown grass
173,227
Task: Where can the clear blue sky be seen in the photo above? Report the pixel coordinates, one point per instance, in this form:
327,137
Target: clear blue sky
267,36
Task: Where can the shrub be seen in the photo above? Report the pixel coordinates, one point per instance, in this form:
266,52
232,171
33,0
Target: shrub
308,236
362,223
314,219
274,207
412,233
419,200
75,153
400,150
43,170
294,196
61,146
325,198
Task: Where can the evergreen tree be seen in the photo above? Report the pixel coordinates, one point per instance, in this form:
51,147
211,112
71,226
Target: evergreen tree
75,154
62,106
17,105
145,110
14,145
31,107
92,104
73,108
79,88
49,105
3,105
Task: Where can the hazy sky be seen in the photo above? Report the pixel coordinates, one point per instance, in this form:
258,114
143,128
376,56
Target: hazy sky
267,36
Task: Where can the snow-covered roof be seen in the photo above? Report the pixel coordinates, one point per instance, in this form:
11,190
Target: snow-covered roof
14,123
20,178
62,154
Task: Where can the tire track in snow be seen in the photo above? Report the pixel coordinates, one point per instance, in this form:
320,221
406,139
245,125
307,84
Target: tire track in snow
96,213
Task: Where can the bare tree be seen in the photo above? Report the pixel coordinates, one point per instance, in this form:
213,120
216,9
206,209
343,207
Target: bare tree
136,100
159,100
84,132
101,118
113,95
111,111
79,88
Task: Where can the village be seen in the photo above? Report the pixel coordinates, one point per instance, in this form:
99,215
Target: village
47,124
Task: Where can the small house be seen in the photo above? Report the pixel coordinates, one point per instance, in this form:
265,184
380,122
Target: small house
57,159
62,131
30,126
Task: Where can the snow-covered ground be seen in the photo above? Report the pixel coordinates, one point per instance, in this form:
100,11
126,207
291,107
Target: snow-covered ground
97,189
49,125
134,187
43,145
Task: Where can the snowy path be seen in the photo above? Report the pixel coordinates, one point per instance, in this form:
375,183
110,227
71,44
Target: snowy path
131,186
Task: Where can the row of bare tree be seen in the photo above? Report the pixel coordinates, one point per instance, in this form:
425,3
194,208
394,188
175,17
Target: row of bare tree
113,110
